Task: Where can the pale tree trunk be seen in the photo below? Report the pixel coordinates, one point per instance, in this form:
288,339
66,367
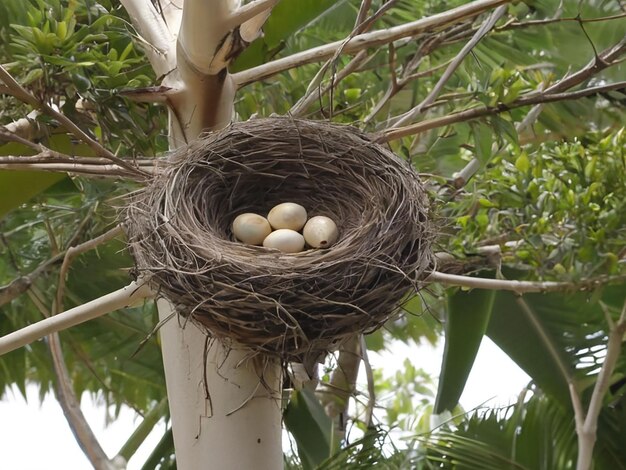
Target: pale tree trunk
225,409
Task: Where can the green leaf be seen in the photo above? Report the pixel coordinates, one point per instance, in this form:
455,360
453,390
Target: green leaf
287,17
17,187
521,334
522,163
375,341
310,426
467,317
483,139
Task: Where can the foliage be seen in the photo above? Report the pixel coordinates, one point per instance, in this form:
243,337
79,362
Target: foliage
555,192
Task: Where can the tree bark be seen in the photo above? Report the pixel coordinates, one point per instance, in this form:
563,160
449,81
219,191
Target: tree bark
225,409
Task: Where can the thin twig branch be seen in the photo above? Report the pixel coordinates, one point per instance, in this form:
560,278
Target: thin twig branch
315,94
121,298
364,41
74,251
21,284
586,426
371,391
249,11
521,287
432,96
342,383
461,178
23,95
362,14
470,114
76,168
67,399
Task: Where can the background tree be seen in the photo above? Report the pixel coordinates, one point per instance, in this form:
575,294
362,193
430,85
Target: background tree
511,112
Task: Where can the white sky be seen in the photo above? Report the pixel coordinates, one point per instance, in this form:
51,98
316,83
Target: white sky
37,437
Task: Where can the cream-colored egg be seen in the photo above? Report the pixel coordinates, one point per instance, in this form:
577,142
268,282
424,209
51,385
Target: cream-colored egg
320,232
285,240
251,228
287,215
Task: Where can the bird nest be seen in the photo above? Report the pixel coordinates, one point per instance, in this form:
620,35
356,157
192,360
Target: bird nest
290,305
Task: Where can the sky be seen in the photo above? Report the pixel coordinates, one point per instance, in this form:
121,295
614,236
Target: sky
35,436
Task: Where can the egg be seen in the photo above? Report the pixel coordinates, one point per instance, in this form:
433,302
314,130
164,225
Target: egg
251,228
287,215
320,232
285,240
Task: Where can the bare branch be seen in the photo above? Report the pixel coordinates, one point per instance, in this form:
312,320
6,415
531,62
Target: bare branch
468,115
121,298
362,14
76,168
363,41
74,251
461,178
371,391
70,405
315,94
587,435
432,96
249,11
343,383
521,287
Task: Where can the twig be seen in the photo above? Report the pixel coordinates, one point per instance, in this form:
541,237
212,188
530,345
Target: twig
78,168
364,41
521,287
432,96
461,178
586,426
74,251
121,298
249,11
371,391
360,27
307,100
23,95
362,14
21,284
142,431
67,398
343,383
467,115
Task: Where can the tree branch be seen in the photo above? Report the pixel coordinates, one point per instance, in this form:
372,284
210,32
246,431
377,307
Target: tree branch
371,390
67,399
469,114
521,287
461,178
74,251
23,95
143,430
121,298
432,96
21,284
587,433
300,108
343,383
249,11
364,41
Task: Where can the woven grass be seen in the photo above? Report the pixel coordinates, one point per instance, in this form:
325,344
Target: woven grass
289,305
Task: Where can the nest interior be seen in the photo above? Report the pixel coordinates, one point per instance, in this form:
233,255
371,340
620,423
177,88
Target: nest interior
290,305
